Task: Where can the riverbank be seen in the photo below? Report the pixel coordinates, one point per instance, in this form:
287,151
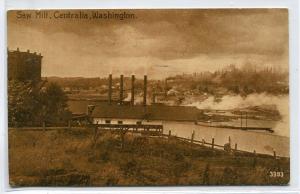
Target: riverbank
70,157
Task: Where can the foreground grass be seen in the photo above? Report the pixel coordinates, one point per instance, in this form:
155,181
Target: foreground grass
70,158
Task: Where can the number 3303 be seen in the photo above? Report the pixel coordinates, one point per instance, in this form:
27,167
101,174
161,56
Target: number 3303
276,174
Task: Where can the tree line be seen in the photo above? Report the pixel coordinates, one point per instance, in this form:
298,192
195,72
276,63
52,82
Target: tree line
31,105
242,81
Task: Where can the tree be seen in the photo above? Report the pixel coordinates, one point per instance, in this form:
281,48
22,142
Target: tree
30,106
22,101
54,105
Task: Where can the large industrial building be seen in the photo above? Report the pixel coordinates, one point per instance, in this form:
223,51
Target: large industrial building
24,66
124,112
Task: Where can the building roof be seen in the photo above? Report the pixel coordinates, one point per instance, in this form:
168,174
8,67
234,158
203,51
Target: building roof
78,107
150,112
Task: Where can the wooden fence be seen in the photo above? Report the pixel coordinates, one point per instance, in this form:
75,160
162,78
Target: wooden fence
213,145
157,131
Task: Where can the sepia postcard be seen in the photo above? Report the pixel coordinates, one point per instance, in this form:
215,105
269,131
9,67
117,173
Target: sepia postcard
148,97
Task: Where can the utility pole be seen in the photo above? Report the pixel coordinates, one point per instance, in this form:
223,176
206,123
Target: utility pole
246,119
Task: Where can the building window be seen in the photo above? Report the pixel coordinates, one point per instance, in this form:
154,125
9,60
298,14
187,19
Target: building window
107,121
120,122
139,122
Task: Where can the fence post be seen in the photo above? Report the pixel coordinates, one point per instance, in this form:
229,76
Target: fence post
69,124
246,120
235,146
169,134
203,142
206,175
212,143
274,154
241,120
192,137
254,159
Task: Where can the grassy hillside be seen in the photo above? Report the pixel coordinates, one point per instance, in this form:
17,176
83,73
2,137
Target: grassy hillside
70,158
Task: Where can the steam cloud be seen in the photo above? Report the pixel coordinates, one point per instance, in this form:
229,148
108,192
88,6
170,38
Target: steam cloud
138,99
230,102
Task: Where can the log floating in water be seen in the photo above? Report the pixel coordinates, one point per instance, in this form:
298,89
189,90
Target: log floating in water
242,128
250,128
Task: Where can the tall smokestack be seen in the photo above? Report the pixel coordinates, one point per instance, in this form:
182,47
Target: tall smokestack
145,90
132,89
109,88
121,88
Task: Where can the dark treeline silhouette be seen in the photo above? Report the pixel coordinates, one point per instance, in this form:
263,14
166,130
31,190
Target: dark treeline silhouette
243,81
78,82
101,84
230,80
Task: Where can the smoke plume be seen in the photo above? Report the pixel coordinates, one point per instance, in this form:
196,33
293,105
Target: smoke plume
230,102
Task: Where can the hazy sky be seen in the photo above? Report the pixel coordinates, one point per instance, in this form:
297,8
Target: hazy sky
156,42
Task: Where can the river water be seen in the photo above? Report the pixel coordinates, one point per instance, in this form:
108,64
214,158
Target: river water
260,141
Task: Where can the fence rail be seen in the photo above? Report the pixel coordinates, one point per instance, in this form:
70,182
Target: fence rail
156,130
213,145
